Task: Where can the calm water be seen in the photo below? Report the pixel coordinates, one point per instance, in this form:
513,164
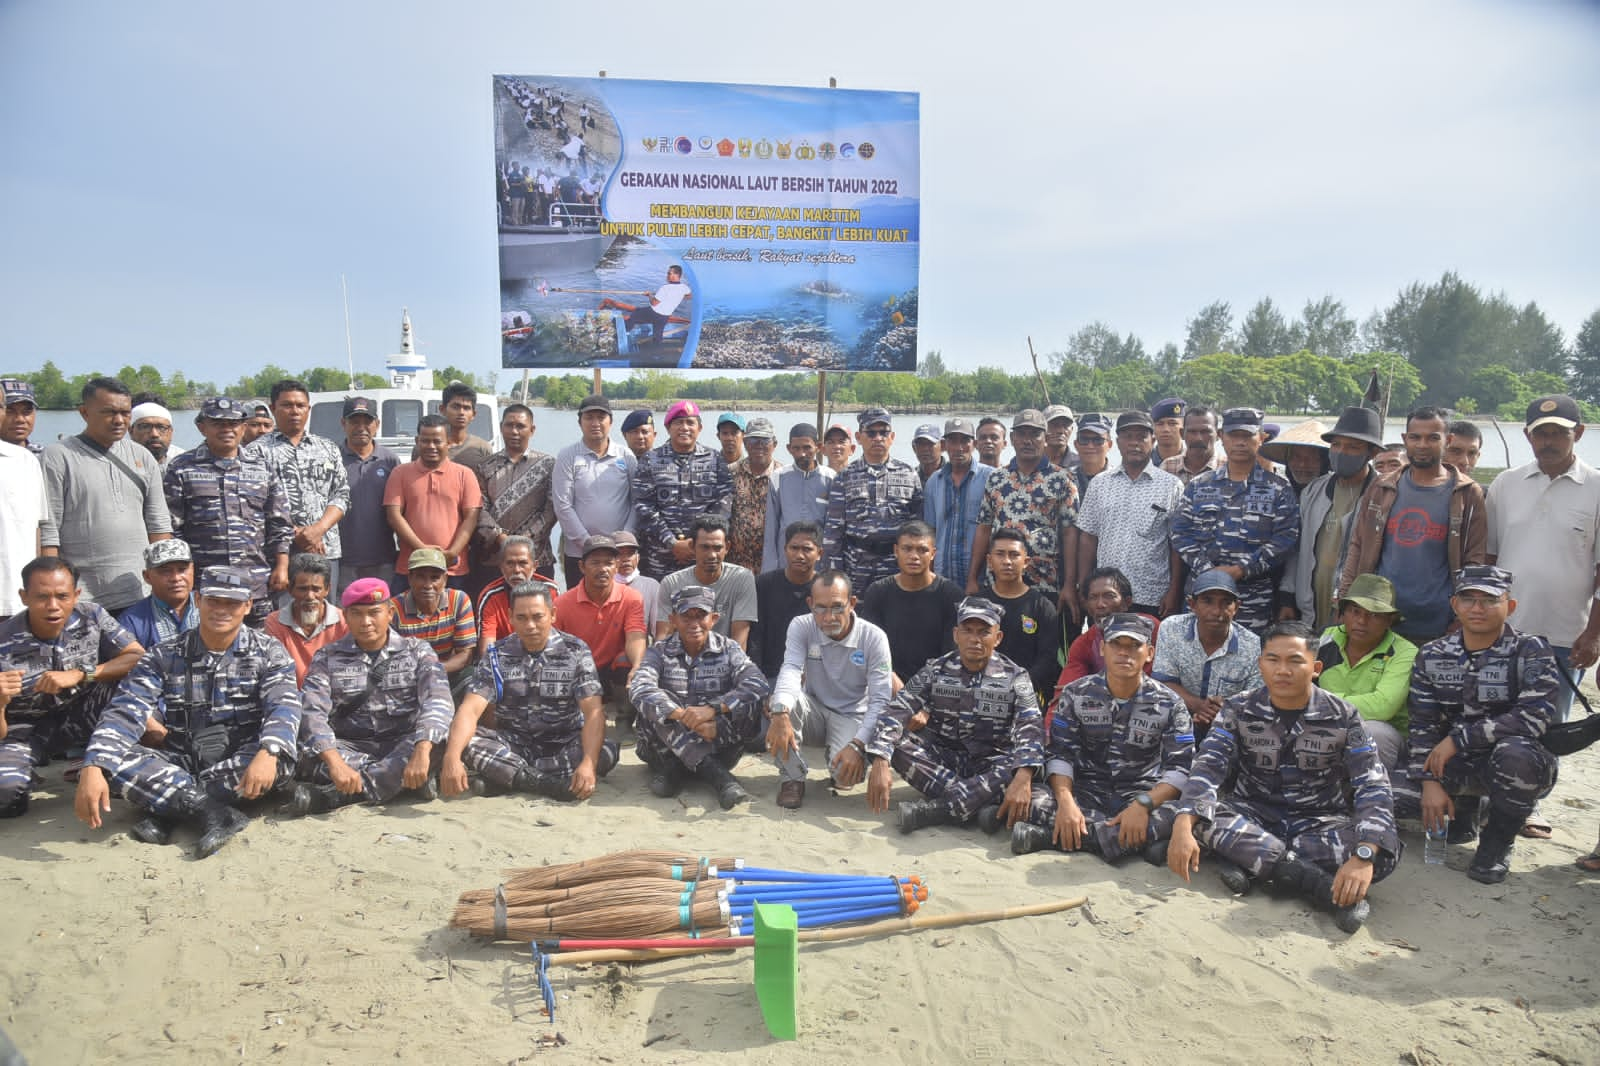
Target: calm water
557,429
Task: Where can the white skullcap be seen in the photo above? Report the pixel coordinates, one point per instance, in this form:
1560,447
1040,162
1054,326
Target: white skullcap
149,410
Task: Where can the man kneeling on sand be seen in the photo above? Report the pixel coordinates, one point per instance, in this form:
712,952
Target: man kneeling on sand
965,732
225,696
375,704
1287,788
549,736
1120,749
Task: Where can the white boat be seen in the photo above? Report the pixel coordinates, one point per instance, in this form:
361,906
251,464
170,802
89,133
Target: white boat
410,395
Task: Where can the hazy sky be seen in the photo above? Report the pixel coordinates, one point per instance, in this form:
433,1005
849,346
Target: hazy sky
184,183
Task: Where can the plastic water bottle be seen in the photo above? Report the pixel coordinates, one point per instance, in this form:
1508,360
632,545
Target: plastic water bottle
1435,848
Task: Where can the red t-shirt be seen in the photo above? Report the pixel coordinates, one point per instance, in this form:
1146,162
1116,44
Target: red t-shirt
602,626
434,502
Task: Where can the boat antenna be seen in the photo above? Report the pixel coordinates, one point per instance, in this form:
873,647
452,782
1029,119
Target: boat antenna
349,351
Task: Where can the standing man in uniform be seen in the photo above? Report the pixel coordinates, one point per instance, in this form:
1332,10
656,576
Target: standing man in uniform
60,661
1166,421
549,736
672,486
965,732
868,503
1481,698
225,699
639,431
1125,522
375,706
699,701
1418,528
1034,495
952,499
1199,446
799,494
366,542
311,470
1240,519
1287,788
106,502
1119,753
592,484
753,479
231,508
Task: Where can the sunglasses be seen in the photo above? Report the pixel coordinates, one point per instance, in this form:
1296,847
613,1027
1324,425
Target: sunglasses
876,434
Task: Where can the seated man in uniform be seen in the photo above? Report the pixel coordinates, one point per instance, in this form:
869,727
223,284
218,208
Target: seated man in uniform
1480,700
226,698
60,661
171,608
549,736
1119,753
699,700
965,731
1287,788
374,706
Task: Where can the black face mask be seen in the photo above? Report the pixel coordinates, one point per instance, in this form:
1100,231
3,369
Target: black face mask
1345,465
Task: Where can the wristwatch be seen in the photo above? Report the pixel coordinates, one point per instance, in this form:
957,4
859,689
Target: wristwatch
1366,852
1143,799
274,749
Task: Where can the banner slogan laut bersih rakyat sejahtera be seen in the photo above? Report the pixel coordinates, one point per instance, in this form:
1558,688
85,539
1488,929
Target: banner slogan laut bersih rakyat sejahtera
696,225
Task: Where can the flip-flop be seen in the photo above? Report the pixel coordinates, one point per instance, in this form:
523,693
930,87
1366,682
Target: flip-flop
1590,863
1535,828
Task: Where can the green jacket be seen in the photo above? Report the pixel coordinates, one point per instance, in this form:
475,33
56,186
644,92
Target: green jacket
1379,684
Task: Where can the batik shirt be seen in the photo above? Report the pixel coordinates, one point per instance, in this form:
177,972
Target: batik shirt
313,477
1044,505
517,502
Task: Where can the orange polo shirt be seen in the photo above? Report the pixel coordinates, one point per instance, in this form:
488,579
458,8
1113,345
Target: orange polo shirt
602,626
434,502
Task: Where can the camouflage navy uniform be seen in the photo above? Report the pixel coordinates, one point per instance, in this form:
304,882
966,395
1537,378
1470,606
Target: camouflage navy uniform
1495,704
38,723
231,512
1254,524
981,729
1114,751
867,505
374,707
669,492
1261,786
219,708
721,676
538,723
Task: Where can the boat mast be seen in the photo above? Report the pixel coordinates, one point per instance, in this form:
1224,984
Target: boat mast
349,350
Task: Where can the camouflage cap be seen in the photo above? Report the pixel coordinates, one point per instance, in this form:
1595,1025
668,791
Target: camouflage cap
17,391
1484,578
760,429
980,608
224,409
1128,624
163,552
226,583
694,598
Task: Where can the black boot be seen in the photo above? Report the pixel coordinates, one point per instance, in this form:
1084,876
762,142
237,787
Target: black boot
16,808
1464,826
1291,876
1492,861
216,821
922,813
1027,838
152,829
1234,877
537,784
989,819
666,780
729,792
1155,852
316,799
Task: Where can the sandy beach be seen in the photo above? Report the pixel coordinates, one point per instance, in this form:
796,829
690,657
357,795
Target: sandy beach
327,941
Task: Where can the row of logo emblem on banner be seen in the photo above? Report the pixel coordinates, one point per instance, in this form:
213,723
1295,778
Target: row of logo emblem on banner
744,147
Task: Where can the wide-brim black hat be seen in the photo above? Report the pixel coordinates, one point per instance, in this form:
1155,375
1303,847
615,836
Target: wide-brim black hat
1359,423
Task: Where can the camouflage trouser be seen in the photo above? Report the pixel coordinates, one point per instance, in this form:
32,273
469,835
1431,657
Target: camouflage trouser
152,777
864,565
382,766
500,756
66,726
1255,836
962,780
658,745
1098,808
1255,604
16,773
1515,773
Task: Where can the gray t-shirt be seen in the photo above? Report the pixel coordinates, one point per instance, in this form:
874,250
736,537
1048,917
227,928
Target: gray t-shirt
1416,558
735,591
102,513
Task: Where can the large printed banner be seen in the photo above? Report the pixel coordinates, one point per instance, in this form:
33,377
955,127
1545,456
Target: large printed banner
692,225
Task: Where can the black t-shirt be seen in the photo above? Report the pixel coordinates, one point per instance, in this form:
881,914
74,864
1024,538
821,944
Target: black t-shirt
778,602
1029,635
920,625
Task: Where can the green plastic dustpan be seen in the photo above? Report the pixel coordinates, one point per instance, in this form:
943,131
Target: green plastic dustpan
777,967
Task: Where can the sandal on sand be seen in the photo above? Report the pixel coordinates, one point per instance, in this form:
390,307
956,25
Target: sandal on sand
1590,862
1535,828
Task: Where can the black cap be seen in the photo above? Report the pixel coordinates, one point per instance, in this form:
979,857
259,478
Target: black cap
360,405
1553,410
594,402
1135,419
1171,407
637,418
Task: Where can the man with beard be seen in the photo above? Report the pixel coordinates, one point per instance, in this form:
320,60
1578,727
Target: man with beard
151,426
308,621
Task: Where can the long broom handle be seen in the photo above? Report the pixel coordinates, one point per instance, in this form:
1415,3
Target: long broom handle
811,936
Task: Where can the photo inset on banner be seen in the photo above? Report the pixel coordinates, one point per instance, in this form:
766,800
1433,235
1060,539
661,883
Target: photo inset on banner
689,225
